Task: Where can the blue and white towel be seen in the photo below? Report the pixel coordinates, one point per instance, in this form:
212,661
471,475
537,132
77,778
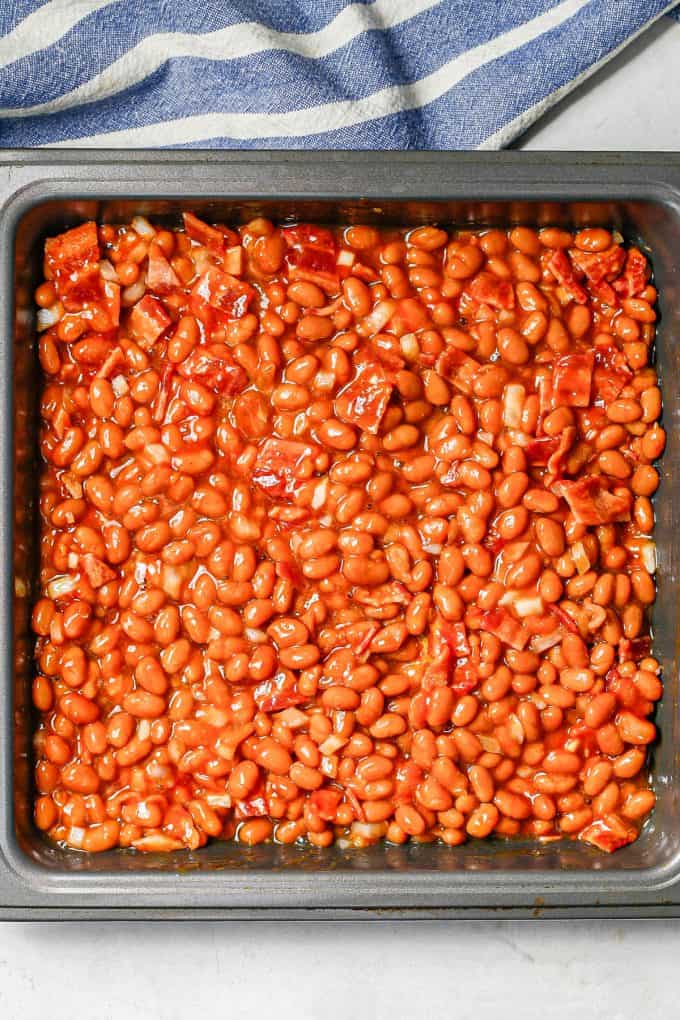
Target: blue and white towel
367,74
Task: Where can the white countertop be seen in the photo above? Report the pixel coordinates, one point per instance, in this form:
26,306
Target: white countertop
383,971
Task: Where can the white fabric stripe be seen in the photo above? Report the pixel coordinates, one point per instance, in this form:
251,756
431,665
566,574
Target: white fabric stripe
45,26
329,116
243,40
514,128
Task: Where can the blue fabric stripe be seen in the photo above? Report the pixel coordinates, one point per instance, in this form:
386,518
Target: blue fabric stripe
477,107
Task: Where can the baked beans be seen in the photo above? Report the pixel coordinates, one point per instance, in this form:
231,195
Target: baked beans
346,535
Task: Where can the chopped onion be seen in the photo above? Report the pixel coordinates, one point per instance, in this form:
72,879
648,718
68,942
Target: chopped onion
48,317
72,560
140,572
369,830
134,293
293,718
541,642
320,494
345,258
62,585
518,438
141,226
410,347
648,556
172,581
119,385
73,485
324,381
218,800
329,766
434,548
233,260
108,271
528,605
514,396
579,557
75,837
516,728
332,743
255,636
379,317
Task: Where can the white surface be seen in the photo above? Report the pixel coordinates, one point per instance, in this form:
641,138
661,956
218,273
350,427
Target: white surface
525,970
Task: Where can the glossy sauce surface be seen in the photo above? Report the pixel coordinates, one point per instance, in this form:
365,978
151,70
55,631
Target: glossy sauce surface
345,535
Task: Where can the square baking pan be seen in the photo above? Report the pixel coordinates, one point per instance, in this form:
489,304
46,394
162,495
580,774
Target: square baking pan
43,193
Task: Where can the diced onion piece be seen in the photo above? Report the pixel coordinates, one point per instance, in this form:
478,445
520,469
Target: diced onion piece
332,744
233,260
324,381
329,765
345,257
320,494
648,556
518,438
72,560
433,548
172,581
119,385
541,642
76,836
143,730
141,226
134,293
513,405
409,346
107,271
48,317
293,718
218,800
579,557
379,317
516,728
369,830
72,484
61,586
140,572
528,605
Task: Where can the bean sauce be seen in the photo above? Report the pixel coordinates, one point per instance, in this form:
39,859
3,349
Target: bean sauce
345,535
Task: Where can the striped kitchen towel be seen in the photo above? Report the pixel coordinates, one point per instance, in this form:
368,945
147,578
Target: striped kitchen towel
367,74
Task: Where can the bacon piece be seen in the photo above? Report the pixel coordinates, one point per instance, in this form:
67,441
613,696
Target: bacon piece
218,298
608,833
363,401
148,321
635,275
572,379
591,502
598,266
72,259
563,616
407,778
557,459
325,802
278,692
163,396
489,289
254,806
160,276
539,451
214,367
97,572
505,627
312,256
458,367
611,372
214,238
365,643
281,464
563,271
